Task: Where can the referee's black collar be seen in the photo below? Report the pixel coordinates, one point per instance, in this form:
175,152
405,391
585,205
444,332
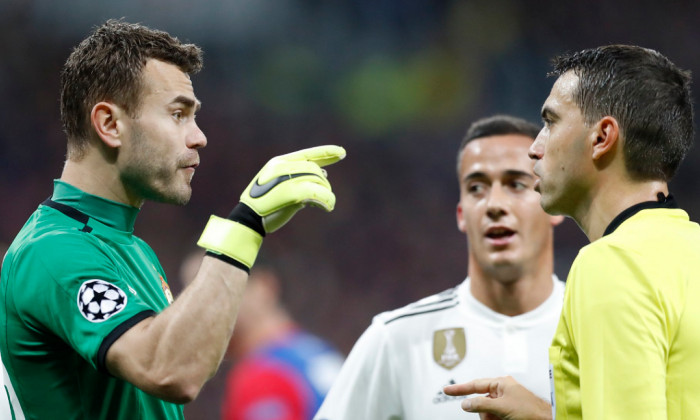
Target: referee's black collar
663,202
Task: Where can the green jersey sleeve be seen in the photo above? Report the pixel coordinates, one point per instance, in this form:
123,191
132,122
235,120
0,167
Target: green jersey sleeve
76,290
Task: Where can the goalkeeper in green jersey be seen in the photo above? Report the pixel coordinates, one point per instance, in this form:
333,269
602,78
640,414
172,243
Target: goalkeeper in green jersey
90,329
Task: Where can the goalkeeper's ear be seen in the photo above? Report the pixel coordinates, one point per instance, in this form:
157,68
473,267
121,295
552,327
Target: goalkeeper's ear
105,120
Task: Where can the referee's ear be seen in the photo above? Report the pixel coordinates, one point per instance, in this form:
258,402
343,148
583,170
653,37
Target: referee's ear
605,135
107,122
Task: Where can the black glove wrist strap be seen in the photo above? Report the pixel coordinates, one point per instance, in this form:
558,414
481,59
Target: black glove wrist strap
247,217
227,259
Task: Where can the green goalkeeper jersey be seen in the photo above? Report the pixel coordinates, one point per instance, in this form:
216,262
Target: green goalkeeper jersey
73,281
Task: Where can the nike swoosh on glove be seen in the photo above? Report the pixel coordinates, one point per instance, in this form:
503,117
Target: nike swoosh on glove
283,186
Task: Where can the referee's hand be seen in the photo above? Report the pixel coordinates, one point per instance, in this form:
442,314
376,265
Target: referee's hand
504,399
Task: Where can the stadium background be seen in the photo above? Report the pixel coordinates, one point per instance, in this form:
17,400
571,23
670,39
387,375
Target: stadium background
394,82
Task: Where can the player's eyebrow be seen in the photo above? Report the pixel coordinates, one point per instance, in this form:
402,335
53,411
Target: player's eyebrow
509,173
515,173
548,114
187,102
474,175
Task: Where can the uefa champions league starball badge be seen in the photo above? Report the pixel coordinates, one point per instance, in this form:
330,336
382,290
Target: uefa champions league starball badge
98,300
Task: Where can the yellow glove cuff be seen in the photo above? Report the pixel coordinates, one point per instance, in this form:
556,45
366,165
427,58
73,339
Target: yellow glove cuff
224,236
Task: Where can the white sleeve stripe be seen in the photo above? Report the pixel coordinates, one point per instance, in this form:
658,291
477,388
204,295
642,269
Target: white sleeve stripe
425,311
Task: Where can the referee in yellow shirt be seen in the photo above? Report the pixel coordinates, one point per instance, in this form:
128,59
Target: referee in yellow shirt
618,122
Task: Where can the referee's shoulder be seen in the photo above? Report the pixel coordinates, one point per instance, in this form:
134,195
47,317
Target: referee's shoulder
421,308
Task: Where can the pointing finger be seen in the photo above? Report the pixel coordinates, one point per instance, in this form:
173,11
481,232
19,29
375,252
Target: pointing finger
477,386
320,155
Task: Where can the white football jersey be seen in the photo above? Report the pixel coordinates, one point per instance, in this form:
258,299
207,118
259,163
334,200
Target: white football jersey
398,367
5,412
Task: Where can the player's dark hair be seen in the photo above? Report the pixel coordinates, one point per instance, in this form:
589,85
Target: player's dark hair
646,93
108,66
496,125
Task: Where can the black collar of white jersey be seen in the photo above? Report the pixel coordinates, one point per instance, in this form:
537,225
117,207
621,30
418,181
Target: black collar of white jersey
663,202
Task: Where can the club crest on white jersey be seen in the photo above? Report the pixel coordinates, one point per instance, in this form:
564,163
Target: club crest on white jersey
449,347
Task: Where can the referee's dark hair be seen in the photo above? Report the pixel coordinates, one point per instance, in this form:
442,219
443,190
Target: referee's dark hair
646,93
497,125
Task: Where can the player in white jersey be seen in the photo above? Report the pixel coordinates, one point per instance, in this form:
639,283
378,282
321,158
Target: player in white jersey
5,412
499,321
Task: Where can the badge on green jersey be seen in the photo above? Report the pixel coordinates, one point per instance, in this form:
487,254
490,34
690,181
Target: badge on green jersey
98,300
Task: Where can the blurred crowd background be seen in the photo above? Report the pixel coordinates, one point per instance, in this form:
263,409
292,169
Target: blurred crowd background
395,82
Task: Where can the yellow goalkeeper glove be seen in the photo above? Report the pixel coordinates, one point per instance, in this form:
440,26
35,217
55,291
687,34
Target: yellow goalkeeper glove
283,186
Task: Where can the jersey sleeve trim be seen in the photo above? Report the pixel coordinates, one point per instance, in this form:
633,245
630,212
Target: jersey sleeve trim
421,312
115,334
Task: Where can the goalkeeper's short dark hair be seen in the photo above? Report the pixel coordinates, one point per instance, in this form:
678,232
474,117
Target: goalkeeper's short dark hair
108,66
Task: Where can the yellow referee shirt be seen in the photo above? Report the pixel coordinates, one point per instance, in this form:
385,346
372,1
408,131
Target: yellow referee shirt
628,341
